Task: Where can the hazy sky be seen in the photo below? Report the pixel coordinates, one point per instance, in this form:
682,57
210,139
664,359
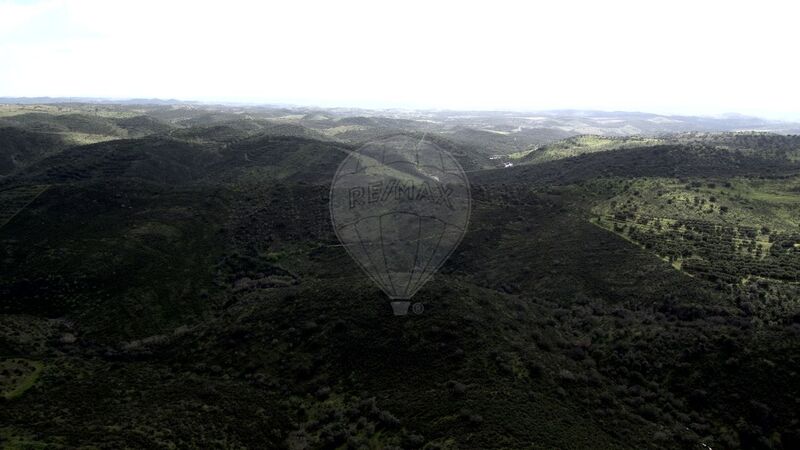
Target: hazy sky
696,57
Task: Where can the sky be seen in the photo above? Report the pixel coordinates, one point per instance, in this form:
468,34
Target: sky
672,57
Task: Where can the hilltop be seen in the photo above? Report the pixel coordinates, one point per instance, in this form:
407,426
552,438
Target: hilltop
169,277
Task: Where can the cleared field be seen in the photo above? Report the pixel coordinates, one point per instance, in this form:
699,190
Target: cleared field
17,375
74,138
580,145
742,235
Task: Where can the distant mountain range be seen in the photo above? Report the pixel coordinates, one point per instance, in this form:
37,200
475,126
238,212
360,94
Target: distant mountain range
618,123
52,100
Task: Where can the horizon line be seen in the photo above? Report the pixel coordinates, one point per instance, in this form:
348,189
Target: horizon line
144,100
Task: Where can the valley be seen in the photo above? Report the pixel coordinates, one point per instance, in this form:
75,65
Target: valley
169,277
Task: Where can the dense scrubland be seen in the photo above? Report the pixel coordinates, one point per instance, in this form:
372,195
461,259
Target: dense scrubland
169,278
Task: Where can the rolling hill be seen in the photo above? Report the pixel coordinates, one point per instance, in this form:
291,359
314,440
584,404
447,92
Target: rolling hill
180,284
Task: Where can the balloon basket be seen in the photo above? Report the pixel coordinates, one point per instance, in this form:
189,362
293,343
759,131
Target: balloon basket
400,308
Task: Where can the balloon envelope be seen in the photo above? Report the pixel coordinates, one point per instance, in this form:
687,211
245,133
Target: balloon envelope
400,206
